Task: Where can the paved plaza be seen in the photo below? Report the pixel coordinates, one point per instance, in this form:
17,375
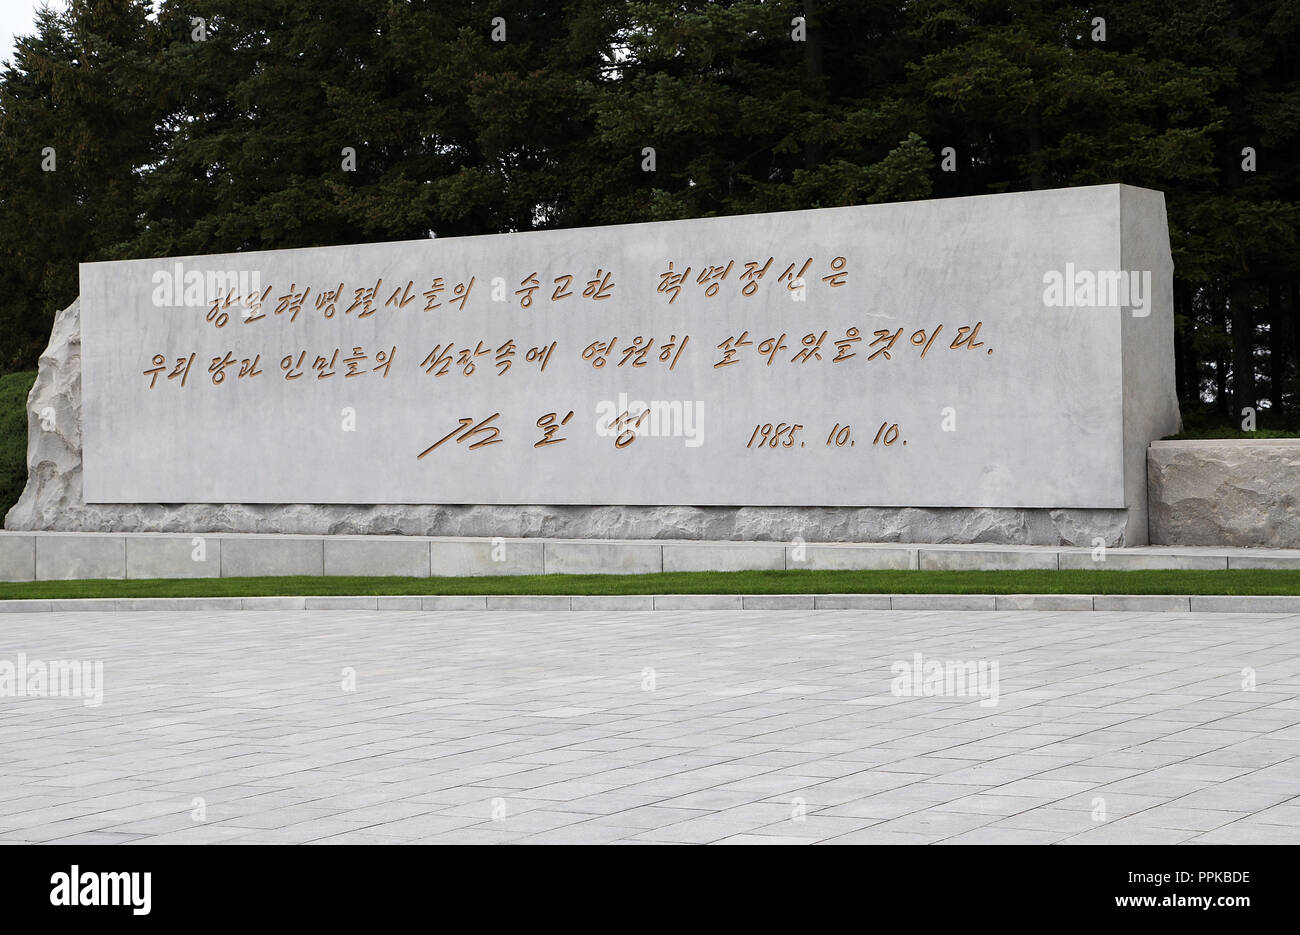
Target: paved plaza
762,727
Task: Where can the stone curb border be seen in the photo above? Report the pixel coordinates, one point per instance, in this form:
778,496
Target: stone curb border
49,556
1144,603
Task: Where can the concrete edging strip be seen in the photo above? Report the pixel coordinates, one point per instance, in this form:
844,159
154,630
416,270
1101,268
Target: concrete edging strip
52,556
1133,603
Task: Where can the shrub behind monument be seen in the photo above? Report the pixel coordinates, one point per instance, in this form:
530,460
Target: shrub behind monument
14,388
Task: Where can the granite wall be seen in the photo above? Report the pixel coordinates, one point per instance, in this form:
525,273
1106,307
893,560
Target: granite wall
53,500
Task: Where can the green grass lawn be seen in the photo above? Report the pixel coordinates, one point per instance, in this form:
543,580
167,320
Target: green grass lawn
1242,581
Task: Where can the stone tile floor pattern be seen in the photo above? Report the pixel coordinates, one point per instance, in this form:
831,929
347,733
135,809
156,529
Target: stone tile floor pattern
704,727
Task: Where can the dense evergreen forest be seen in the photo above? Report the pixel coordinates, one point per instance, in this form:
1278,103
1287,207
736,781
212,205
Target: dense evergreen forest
126,132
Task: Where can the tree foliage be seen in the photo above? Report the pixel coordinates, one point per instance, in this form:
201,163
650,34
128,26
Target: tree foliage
174,137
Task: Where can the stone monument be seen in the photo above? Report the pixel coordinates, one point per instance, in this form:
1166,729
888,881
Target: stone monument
986,369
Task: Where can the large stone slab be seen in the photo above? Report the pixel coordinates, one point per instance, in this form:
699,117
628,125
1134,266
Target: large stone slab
698,602
17,557
173,557
849,557
602,558
1246,603
612,602
969,463
1142,603
1140,560
67,557
486,557
1044,602
777,602
377,557
1225,492
724,557
254,556
943,602
986,560
851,601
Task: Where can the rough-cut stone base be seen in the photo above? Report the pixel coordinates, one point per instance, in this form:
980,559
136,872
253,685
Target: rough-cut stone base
1225,493
53,500
1012,527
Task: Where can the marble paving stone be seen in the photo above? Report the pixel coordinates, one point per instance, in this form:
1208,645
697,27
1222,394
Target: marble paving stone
615,726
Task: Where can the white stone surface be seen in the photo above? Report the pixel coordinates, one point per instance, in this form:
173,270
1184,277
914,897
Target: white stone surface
1052,602
777,602
370,555
53,498
943,602
1227,492
53,488
723,556
833,557
67,557
1116,560
258,556
1041,420
1144,603
851,601
172,557
673,603
608,602
549,715
602,558
1150,398
17,558
966,559
159,555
